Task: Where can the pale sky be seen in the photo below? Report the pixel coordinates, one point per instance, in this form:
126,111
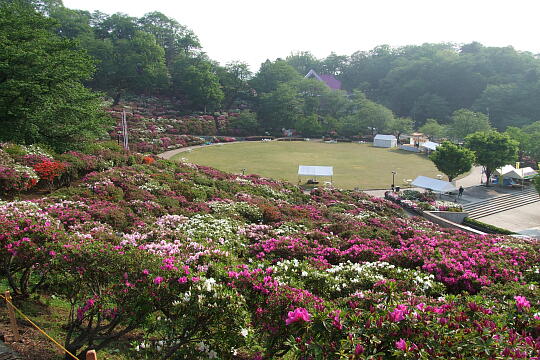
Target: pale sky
254,30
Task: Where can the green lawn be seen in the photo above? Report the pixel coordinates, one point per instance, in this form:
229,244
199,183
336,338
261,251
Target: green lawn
355,165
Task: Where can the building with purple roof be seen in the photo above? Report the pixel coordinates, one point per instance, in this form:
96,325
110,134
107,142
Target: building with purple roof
329,80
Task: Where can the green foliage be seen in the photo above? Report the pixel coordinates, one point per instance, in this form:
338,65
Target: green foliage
272,74
41,95
173,37
432,129
490,229
399,126
234,83
244,124
194,78
492,150
434,80
453,160
280,108
537,183
465,122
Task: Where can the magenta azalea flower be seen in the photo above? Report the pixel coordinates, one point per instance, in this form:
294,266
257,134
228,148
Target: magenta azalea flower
401,345
522,303
299,314
158,280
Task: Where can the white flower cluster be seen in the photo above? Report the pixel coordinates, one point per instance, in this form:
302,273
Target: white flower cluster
154,186
23,169
289,228
37,150
208,227
348,277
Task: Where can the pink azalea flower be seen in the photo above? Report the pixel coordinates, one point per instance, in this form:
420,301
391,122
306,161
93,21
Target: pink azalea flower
158,280
299,314
522,303
401,345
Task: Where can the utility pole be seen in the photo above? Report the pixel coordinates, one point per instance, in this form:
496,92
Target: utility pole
125,130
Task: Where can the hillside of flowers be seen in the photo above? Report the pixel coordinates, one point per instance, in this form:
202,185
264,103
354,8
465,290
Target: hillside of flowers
186,262
156,127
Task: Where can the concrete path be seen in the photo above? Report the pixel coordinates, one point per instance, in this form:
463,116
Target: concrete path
472,179
169,154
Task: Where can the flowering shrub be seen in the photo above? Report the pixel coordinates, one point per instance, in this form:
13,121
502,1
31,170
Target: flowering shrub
49,170
418,201
195,263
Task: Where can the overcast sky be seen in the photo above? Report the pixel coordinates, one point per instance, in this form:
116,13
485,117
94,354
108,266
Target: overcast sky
255,30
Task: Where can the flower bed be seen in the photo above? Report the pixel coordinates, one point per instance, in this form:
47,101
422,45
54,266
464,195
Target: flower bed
195,263
419,202
158,129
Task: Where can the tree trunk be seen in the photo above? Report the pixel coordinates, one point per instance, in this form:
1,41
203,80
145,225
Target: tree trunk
488,172
117,98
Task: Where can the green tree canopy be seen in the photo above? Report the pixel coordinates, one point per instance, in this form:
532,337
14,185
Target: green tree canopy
42,98
432,129
196,80
452,160
271,74
174,38
465,122
399,126
492,150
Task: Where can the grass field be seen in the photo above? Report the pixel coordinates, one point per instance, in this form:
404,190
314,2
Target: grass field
355,165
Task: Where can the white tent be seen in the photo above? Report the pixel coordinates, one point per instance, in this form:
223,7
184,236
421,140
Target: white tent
304,170
386,141
430,145
434,185
504,170
523,173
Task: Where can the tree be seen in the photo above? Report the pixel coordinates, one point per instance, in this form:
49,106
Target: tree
271,74
303,61
244,124
492,150
174,38
196,80
280,108
374,117
234,82
432,129
429,106
452,160
42,98
521,137
465,122
399,126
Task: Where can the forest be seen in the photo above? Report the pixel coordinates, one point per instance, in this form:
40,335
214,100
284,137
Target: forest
445,90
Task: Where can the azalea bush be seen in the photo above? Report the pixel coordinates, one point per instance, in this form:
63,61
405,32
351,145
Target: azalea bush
419,202
191,262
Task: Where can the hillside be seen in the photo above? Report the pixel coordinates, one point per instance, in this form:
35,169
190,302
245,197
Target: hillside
183,261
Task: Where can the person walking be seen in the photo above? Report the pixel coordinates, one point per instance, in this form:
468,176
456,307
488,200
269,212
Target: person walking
460,191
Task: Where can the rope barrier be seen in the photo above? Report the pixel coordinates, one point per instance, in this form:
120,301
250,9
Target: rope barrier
38,328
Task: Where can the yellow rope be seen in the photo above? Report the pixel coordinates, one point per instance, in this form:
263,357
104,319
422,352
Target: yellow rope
39,329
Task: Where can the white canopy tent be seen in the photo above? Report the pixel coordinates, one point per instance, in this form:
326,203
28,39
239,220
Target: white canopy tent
429,145
523,173
305,170
434,185
504,170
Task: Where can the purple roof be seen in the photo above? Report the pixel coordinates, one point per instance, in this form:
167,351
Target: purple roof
331,81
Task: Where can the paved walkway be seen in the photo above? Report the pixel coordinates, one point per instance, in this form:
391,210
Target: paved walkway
169,154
